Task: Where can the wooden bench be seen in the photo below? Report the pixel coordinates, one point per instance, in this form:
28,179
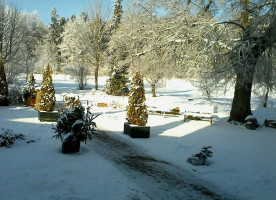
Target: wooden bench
173,112
198,112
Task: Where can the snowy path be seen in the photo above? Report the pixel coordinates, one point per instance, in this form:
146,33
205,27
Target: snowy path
157,179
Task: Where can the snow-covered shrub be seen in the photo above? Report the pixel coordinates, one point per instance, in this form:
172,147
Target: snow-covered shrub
71,102
251,122
46,96
75,123
7,137
136,110
201,158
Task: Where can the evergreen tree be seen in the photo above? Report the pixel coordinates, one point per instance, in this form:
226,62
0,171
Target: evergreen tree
117,15
56,27
46,97
116,84
84,16
4,101
29,91
54,38
137,111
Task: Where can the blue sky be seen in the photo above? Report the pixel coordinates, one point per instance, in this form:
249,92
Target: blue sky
64,7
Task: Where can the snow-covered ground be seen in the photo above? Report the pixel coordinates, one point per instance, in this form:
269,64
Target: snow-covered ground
243,163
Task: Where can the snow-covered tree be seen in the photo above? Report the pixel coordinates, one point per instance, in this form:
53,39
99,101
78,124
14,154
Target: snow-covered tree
35,32
49,49
117,83
264,78
229,49
46,96
12,32
29,90
117,15
137,110
74,42
255,26
98,35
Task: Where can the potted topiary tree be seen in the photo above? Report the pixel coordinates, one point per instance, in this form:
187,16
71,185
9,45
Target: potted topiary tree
136,110
73,127
45,101
29,91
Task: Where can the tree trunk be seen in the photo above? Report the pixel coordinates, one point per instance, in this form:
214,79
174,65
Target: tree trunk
153,89
97,58
241,107
265,98
4,100
96,77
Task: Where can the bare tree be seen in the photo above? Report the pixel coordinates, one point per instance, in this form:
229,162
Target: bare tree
256,27
264,79
35,31
97,39
12,33
74,41
231,48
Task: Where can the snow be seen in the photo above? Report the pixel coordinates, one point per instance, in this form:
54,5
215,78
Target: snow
243,162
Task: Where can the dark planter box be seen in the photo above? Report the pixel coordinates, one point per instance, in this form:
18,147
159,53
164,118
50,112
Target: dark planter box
48,116
135,131
70,145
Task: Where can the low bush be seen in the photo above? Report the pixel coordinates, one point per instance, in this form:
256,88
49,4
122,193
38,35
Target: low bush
7,137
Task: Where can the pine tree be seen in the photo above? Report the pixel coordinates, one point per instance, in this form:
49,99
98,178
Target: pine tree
54,37
116,84
56,27
137,111
46,97
4,100
29,91
117,15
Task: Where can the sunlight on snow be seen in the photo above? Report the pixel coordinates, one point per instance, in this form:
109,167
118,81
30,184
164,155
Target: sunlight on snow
185,129
33,120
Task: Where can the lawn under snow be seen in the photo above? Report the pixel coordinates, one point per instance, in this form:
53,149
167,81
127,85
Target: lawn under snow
243,163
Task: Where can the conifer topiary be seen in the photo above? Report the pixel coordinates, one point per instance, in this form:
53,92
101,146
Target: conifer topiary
137,111
4,100
46,96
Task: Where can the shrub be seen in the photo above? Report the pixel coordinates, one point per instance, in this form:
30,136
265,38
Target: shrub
71,102
76,123
7,137
137,111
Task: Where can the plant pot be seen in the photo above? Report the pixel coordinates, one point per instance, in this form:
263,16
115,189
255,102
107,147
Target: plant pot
48,116
135,131
69,145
